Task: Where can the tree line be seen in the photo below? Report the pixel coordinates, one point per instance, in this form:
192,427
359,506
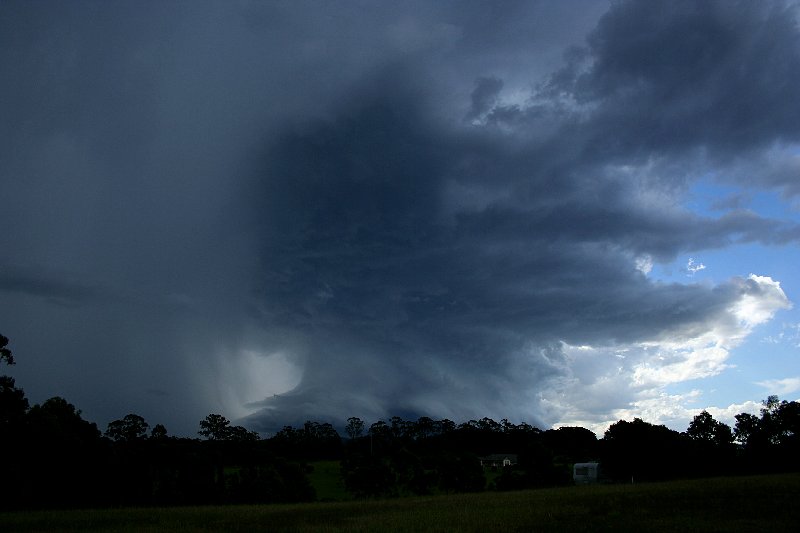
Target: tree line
54,458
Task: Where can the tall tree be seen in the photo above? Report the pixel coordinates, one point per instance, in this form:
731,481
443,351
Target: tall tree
13,404
771,442
56,419
425,427
641,451
354,427
789,422
215,427
241,434
159,432
132,427
704,428
5,353
710,446
747,429
65,458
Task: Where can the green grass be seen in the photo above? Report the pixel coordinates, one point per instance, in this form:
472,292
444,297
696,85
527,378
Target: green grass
326,478
761,503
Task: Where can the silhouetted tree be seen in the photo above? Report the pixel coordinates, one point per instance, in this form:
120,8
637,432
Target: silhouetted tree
788,418
747,429
704,428
241,434
132,427
641,451
13,404
425,427
770,419
380,430
321,441
771,442
446,426
56,419
399,427
354,427
13,411
5,353
780,420
314,441
770,428
711,448
65,459
159,432
214,427
571,444
218,428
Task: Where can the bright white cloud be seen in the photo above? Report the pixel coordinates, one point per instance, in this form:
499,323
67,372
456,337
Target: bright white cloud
606,384
675,363
781,387
255,376
761,298
694,267
644,264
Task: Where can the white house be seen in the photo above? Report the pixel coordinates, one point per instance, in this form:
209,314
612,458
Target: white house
584,473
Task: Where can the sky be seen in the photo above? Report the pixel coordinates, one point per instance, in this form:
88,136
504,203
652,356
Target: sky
559,213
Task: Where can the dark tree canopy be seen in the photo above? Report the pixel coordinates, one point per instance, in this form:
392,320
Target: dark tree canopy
132,427
59,420
746,429
705,429
779,424
241,434
5,353
354,427
13,404
217,427
642,451
158,432
214,427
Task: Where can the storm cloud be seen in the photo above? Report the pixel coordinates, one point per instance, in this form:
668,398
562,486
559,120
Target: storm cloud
320,210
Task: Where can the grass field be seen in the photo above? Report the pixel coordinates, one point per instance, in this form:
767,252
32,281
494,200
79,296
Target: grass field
326,478
761,503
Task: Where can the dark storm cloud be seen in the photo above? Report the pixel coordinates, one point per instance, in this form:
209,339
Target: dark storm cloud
413,206
484,96
53,288
117,193
677,76
370,243
366,250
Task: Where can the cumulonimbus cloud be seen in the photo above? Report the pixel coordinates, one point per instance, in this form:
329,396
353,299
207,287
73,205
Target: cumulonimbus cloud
449,209
457,258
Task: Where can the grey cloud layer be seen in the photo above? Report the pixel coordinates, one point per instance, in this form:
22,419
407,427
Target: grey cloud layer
372,247
417,204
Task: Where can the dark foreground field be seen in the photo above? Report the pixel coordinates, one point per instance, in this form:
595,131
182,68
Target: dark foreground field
761,503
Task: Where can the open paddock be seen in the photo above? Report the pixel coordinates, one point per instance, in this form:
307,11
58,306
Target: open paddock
758,503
